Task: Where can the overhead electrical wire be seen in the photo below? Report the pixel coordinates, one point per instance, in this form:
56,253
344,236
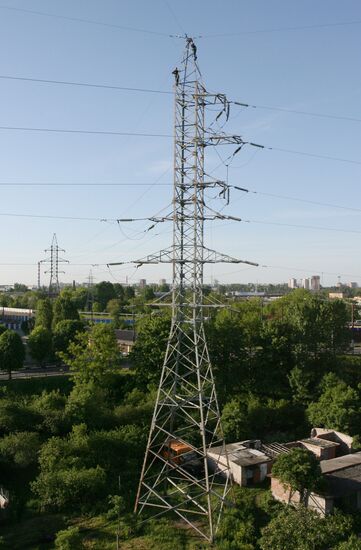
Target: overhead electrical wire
83,20
116,133
296,199
137,184
82,184
300,226
86,85
283,29
152,219
313,270
298,112
169,92
314,155
76,131
167,35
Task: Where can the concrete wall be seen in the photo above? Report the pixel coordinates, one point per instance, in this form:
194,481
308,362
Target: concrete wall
322,453
344,440
320,504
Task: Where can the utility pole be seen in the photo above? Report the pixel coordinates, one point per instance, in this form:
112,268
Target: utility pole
54,260
186,412
39,273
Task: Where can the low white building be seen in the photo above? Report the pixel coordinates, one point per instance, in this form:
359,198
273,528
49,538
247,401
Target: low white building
247,464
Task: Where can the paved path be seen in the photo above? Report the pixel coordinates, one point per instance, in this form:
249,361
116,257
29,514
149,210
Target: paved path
36,372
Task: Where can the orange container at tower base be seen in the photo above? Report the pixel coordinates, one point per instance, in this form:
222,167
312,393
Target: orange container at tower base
175,449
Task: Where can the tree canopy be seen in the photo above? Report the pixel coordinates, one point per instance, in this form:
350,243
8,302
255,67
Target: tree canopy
40,344
93,355
299,470
12,351
338,407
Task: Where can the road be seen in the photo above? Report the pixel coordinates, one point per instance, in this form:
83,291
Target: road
36,372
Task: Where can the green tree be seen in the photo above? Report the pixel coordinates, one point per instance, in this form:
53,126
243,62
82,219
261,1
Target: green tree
40,344
20,448
304,529
129,293
79,471
252,416
233,337
65,308
50,410
149,349
299,470
305,331
119,292
338,407
300,381
68,539
353,543
44,313
147,294
104,291
114,308
16,415
12,352
88,403
71,489
65,332
80,296
93,356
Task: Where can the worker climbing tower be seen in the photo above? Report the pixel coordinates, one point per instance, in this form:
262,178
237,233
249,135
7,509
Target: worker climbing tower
176,476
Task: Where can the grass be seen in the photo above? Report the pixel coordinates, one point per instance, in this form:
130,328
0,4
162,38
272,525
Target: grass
32,532
98,533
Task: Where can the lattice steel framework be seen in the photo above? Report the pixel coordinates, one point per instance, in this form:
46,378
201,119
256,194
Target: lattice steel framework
186,410
90,296
54,260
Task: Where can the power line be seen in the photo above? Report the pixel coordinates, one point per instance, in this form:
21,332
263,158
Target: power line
297,199
50,217
76,131
85,84
70,263
314,155
152,219
169,92
90,184
313,270
137,184
116,133
299,226
82,20
167,35
283,29
297,112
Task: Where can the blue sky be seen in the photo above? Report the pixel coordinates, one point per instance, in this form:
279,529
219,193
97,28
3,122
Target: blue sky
314,70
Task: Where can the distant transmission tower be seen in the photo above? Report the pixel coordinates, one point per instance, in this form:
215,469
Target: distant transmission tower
90,295
54,260
186,414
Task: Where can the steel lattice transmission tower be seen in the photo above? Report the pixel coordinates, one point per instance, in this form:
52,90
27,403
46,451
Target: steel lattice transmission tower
90,295
186,410
54,260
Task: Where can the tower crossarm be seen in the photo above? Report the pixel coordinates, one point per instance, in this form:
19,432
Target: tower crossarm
166,257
